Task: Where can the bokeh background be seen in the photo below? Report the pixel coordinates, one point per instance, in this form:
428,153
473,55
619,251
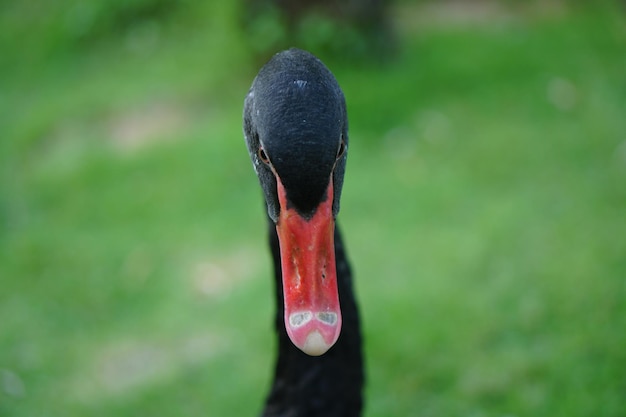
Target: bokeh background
484,207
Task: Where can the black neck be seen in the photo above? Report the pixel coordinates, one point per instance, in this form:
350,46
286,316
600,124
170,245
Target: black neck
329,385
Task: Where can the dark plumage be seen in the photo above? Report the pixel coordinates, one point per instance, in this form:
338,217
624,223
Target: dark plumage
296,108
296,130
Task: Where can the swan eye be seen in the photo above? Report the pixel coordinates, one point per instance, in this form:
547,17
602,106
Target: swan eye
263,156
342,148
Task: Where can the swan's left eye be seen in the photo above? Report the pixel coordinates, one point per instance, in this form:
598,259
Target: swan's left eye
342,148
263,156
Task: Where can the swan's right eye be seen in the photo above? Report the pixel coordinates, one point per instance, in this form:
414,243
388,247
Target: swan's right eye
263,156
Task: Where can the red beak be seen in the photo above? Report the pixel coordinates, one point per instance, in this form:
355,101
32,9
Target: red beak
307,253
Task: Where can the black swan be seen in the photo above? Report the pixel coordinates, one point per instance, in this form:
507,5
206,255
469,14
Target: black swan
296,130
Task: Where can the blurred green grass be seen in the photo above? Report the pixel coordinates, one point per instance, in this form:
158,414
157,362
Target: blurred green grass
484,211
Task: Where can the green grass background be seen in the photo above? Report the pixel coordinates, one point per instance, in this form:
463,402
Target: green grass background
484,211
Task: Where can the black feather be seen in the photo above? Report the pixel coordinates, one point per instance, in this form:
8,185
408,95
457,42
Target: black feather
296,111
